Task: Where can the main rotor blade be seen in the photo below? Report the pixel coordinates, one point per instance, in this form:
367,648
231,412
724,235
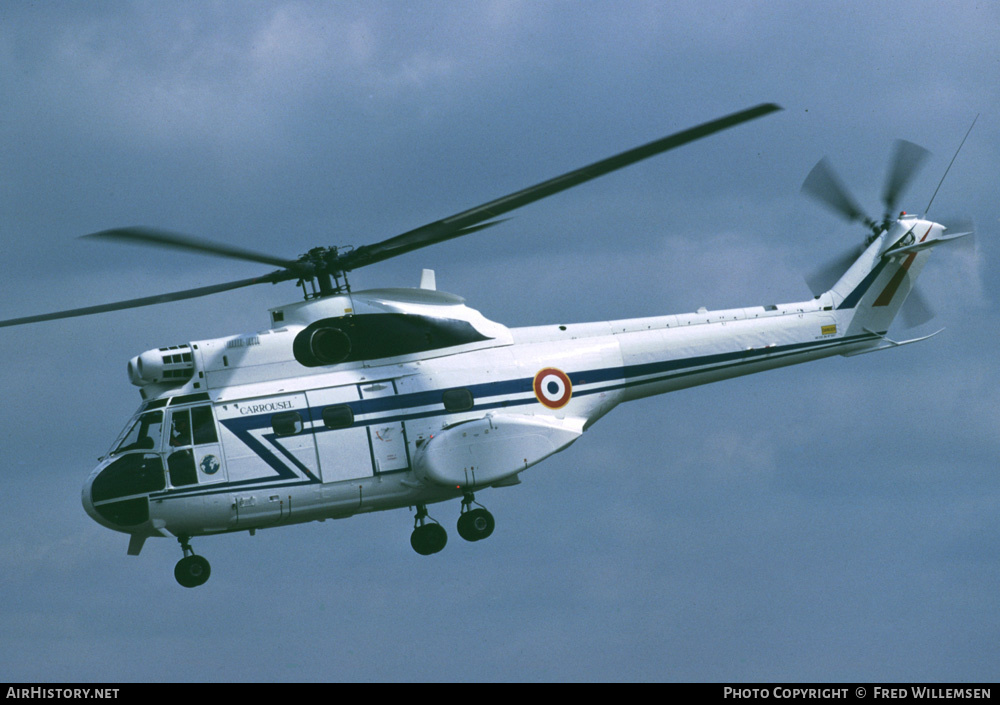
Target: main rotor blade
906,161
176,241
465,222
150,300
823,185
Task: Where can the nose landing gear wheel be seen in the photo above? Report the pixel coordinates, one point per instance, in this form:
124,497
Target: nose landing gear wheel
191,570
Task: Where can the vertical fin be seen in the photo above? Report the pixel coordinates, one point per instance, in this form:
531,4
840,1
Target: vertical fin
877,285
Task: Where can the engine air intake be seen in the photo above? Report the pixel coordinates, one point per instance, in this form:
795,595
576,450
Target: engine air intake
173,365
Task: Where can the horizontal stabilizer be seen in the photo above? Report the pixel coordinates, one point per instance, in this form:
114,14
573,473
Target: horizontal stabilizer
926,244
888,343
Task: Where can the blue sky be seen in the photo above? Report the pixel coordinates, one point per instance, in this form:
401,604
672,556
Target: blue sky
834,521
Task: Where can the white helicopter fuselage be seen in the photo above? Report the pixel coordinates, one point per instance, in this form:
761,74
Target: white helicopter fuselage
254,431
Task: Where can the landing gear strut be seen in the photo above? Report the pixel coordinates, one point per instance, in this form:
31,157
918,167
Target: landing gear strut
427,538
191,570
474,524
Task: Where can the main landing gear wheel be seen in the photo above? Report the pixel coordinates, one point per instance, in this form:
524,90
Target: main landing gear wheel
427,539
191,570
474,524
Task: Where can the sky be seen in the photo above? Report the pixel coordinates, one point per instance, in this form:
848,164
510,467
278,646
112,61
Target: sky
835,521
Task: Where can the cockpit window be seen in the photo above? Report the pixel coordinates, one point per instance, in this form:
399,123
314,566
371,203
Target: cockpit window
132,474
180,428
196,422
144,435
203,425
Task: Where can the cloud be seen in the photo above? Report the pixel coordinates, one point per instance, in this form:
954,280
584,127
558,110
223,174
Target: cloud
223,72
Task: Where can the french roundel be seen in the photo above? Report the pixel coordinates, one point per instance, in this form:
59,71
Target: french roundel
553,388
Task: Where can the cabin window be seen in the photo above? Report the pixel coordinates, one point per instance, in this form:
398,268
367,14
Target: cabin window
339,416
287,423
457,399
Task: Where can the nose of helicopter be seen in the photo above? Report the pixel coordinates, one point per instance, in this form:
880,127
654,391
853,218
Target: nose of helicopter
87,498
115,494
88,506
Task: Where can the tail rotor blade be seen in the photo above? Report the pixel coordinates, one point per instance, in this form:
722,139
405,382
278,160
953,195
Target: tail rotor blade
958,225
824,277
823,185
916,311
907,158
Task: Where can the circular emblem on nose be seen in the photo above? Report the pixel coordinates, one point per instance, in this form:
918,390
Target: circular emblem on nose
552,388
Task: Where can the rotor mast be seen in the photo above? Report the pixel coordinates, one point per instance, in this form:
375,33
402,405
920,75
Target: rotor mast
325,278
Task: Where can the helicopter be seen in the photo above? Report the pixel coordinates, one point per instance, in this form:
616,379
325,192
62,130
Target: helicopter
352,402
